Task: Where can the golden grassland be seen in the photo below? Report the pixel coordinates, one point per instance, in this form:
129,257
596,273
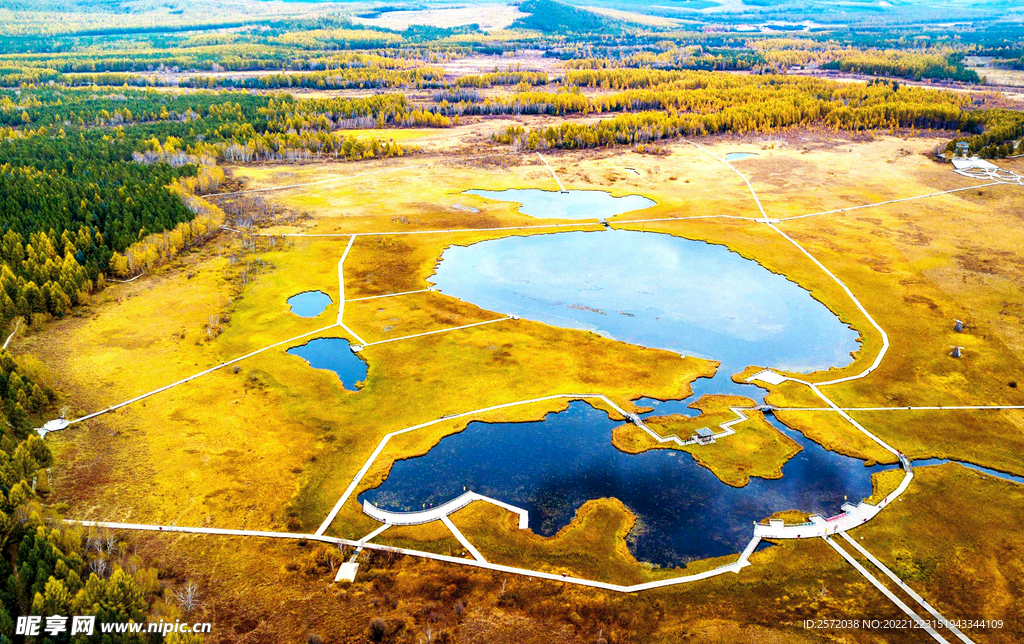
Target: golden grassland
384,264
827,428
420,202
957,540
956,547
756,449
273,443
221,448
275,398
883,483
395,317
593,544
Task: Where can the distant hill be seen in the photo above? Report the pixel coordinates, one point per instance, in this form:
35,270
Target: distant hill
554,17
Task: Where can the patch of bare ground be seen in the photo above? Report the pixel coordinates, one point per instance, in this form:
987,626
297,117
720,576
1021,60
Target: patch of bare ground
977,259
526,61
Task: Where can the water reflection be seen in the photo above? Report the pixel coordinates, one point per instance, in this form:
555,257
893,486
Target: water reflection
552,467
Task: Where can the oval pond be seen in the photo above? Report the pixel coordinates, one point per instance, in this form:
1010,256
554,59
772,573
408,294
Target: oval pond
654,290
310,303
739,156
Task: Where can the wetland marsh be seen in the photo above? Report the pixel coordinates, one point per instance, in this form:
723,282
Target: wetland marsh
656,291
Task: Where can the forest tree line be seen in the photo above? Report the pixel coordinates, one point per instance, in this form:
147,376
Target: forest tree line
49,567
705,104
85,176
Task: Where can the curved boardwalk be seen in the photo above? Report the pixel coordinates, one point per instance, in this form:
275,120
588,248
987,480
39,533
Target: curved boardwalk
441,511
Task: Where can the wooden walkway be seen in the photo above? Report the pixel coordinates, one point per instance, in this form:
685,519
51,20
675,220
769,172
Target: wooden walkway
734,567
907,589
441,511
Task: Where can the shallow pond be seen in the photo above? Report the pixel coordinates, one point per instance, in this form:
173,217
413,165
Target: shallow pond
739,156
552,467
573,204
309,304
333,354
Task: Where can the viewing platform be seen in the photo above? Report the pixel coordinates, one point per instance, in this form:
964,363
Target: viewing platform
851,517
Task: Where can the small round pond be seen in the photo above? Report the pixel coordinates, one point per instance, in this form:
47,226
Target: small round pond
309,304
333,354
572,204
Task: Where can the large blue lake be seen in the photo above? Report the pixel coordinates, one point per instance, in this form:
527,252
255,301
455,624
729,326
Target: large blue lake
653,290
554,466
575,204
